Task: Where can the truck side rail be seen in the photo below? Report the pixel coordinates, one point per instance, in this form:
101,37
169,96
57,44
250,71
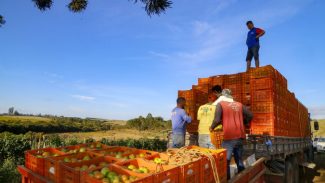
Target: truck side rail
272,146
252,174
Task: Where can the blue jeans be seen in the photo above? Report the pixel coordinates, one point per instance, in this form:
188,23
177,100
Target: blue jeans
205,141
234,147
178,140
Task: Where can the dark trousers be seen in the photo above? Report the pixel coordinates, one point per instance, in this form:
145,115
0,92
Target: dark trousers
234,147
253,52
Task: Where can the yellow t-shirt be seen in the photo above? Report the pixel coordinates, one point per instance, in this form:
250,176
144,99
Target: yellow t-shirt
206,115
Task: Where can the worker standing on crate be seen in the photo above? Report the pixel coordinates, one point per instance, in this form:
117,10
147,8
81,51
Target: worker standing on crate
232,116
253,44
179,120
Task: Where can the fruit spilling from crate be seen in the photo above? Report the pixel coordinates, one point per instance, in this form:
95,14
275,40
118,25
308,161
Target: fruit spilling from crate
265,91
98,163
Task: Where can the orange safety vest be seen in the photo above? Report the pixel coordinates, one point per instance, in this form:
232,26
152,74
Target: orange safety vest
232,120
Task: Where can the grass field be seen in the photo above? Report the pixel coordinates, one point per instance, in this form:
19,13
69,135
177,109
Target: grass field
119,131
47,119
117,134
321,131
24,118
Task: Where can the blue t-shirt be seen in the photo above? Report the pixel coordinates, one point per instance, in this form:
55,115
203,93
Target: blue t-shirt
251,37
179,120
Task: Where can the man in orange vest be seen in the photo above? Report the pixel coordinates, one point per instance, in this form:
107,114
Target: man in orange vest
232,116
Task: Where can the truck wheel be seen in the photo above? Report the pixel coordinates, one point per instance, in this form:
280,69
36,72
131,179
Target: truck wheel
289,171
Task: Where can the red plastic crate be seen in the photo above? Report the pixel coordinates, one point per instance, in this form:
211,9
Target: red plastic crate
204,81
238,97
263,96
236,89
28,176
263,72
119,171
216,80
189,95
263,107
282,80
216,138
262,84
72,149
263,129
125,153
246,99
190,173
264,119
137,163
220,156
246,88
232,79
206,169
171,174
246,77
73,175
204,88
52,166
36,164
192,128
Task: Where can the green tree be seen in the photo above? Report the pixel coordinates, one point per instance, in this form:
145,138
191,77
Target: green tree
152,7
16,113
11,111
2,20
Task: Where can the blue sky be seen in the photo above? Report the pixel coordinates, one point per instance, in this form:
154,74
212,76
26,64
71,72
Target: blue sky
113,61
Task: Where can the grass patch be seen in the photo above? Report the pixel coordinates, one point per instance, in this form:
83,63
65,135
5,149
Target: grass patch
24,118
321,131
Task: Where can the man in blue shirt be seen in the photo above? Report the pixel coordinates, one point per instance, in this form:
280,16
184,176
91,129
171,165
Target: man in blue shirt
253,44
179,121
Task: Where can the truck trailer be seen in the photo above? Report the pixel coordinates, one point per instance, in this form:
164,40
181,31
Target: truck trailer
279,135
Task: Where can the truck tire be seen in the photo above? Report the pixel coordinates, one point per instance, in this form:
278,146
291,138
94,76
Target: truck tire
289,171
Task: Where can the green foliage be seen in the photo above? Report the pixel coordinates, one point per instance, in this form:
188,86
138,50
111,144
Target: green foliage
2,20
77,5
155,144
156,6
8,171
53,125
43,4
13,146
149,123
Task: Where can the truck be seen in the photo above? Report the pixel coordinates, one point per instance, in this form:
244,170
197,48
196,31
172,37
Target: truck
280,135
277,147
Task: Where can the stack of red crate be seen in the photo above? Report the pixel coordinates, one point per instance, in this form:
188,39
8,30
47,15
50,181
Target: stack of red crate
276,110
266,101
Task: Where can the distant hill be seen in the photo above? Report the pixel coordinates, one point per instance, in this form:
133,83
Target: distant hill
321,131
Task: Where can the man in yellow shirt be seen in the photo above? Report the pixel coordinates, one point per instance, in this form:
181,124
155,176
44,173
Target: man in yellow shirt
205,115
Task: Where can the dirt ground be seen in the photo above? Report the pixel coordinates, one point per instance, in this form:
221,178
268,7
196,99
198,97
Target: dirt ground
117,134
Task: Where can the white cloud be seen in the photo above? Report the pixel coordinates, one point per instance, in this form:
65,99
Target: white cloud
317,112
209,40
201,27
83,97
